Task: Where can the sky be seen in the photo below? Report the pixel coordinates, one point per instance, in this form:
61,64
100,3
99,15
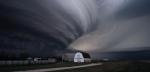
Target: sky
52,27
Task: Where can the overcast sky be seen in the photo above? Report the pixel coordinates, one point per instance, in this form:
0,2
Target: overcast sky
86,25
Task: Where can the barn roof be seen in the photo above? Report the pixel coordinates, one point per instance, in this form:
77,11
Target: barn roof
85,55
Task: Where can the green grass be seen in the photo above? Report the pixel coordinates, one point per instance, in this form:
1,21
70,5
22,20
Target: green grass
126,66
36,66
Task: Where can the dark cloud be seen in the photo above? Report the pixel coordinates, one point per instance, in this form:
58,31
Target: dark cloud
41,28
124,27
48,27
124,55
133,9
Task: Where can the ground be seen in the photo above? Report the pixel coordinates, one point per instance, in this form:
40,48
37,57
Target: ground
118,66
123,66
36,66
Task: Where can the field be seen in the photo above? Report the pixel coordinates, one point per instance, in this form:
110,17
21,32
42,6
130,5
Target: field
36,66
120,66
123,66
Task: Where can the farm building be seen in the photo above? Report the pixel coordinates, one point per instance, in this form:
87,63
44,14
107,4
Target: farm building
77,57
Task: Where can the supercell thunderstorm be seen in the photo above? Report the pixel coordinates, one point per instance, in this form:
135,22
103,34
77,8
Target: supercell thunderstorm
49,27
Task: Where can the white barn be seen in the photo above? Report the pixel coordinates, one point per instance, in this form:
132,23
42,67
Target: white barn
77,57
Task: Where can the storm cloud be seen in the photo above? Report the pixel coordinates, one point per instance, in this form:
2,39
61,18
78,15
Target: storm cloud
51,27
44,27
124,26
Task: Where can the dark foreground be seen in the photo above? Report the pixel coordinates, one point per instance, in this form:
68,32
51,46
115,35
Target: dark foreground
120,66
35,66
123,66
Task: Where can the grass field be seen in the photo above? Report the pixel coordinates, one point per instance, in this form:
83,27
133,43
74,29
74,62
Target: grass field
121,66
36,66
125,66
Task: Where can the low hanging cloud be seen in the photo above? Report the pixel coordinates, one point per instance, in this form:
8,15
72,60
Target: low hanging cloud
44,28
49,27
124,26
